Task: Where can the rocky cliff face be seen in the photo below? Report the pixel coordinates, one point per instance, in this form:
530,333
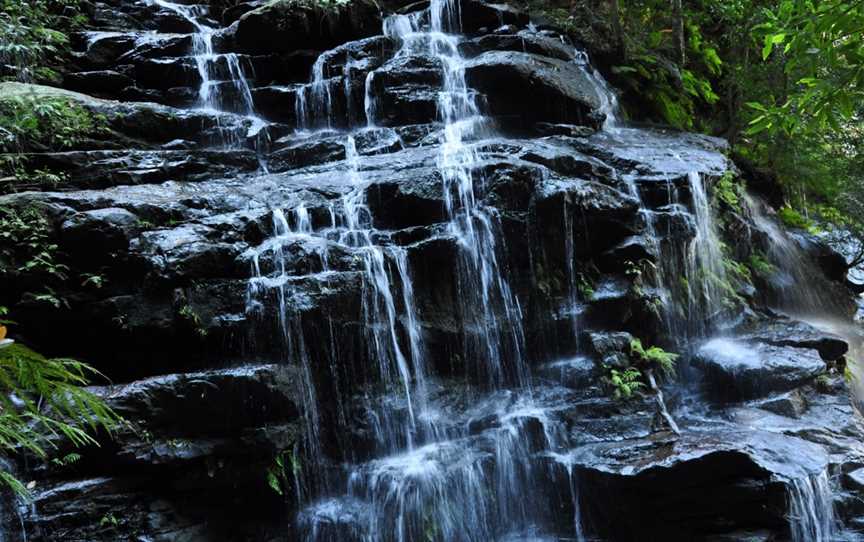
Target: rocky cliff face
366,276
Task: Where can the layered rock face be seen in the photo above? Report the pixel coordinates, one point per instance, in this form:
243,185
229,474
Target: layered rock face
364,276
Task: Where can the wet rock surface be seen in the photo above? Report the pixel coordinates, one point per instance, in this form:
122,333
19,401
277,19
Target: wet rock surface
273,265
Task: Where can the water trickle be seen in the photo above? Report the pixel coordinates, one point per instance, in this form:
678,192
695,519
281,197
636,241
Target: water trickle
211,66
811,510
705,271
793,273
607,96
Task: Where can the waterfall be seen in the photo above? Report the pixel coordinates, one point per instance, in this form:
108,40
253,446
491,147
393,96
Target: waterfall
210,95
811,510
483,283
794,274
705,272
608,99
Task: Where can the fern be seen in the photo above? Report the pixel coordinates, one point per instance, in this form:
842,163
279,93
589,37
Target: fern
653,357
43,402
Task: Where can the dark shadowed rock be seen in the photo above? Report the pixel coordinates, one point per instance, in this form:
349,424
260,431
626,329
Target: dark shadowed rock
98,83
561,90
286,25
476,15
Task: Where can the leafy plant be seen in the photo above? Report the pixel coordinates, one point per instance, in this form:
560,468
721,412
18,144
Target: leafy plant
33,35
37,121
792,218
43,402
760,265
624,383
188,313
728,190
653,357
284,463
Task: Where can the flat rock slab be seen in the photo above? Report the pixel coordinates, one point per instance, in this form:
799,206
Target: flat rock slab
744,370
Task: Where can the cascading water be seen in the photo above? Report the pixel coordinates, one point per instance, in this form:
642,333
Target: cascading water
218,70
811,510
793,273
430,478
608,99
425,479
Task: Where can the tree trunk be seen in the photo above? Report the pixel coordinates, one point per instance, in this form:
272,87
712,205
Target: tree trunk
615,14
678,14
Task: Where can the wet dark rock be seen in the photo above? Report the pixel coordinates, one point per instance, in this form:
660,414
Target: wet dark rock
105,83
309,152
476,15
407,89
740,370
287,25
684,487
602,216
791,404
829,260
788,332
577,373
101,169
104,49
165,73
612,348
218,402
276,103
525,42
561,90
103,229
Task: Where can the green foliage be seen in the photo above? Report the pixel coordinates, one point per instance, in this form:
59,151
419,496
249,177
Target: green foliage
585,286
653,357
43,403
284,464
729,191
33,35
35,121
760,265
791,218
27,249
188,314
821,48
624,383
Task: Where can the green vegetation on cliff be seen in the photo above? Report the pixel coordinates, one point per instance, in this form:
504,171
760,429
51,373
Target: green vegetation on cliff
783,80
34,37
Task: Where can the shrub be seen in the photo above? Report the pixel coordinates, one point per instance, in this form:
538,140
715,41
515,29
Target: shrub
28,121
33,33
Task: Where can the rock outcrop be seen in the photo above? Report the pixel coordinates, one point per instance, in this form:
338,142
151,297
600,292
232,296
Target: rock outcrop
303,273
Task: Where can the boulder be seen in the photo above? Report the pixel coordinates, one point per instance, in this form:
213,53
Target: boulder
609,348
282,26
684,487
789,332
103,49
102,169
577,372
561,91
742,370
525,41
